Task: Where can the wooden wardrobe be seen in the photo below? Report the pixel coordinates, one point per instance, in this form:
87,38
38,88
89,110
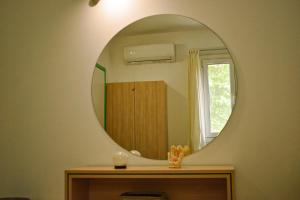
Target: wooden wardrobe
137,116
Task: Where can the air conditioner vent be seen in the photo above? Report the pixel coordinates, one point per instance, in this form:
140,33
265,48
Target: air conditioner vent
149,53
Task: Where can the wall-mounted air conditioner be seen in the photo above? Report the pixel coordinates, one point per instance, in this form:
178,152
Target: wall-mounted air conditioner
149,53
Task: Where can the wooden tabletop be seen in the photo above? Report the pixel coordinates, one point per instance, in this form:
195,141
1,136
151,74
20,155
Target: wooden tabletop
152,170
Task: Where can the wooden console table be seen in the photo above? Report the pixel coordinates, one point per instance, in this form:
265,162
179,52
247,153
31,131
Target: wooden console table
186,183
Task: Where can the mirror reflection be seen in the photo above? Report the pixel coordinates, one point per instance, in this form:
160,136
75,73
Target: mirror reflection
164,80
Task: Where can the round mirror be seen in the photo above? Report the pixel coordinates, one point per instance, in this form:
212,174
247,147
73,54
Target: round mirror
164,80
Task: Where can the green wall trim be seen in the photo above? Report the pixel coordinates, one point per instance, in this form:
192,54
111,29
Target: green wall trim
101,67
104,70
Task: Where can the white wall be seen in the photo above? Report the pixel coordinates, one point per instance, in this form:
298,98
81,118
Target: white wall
47,123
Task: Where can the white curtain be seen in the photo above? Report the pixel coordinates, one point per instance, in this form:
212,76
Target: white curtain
196,114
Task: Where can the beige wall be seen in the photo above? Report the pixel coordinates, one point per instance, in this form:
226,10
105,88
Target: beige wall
47,123
98,86
98,91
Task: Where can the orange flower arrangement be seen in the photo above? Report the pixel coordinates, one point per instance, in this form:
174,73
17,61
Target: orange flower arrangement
176,155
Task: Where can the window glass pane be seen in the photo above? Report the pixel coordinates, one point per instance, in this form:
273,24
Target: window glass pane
220,95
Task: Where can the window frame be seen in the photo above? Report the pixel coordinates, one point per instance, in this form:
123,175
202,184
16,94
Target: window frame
205,87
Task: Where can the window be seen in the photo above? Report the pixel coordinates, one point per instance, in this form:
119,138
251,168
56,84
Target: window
218,90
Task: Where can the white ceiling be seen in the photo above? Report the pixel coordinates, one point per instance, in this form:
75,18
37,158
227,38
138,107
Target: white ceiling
161,23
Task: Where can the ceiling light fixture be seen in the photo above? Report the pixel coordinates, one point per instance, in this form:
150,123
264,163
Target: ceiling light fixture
93,2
